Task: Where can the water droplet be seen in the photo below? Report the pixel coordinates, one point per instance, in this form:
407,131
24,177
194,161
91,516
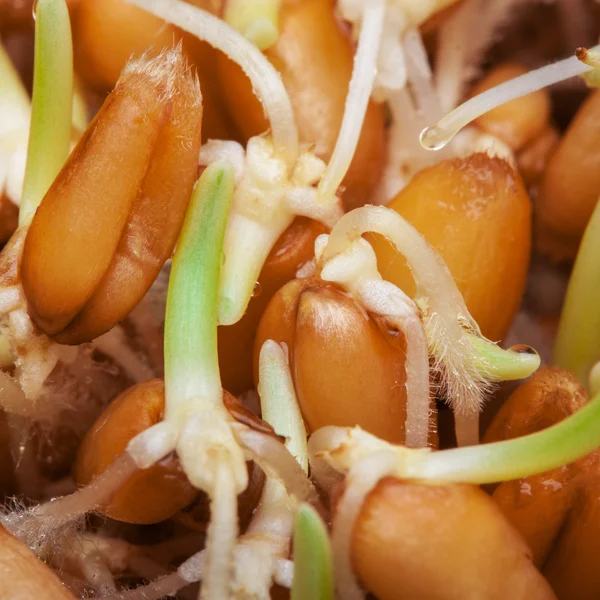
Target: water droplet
34,9
523,349
434,138
257,289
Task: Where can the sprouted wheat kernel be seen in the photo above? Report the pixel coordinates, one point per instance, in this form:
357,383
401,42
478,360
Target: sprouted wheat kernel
299,299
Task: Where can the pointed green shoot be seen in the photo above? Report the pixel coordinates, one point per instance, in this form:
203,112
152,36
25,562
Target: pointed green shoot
313,564
561,444
497,364
191,359
278,400
577,347
51,105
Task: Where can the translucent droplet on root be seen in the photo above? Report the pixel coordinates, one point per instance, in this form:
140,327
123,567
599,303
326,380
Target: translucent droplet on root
434,138
523,349
257,289
34,9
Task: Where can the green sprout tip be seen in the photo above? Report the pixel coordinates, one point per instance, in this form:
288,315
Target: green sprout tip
313,564
51,105
577,346
191,359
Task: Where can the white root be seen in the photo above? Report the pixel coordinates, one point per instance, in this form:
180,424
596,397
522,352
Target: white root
276,461
359,93
403,138
81,554
222,533
265,79
355,270
28,476
257,553
190,571
454,46
403,79
223,484
420,75
266,542
267,196
41,526
88,553
400,311
438,135
259,556
413,106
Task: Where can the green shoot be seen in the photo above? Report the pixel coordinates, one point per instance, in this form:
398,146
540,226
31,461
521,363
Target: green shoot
313,565
191,359
438,135
51,106
359,93
497,364
194,412
343,449
577,346
278,400
561,444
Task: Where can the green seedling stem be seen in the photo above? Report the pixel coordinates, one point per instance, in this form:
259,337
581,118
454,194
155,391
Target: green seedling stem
52,103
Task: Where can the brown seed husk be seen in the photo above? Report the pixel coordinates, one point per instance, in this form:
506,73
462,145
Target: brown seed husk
111,218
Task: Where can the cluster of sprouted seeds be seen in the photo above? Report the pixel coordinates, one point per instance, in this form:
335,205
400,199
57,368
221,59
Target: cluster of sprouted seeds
262,279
